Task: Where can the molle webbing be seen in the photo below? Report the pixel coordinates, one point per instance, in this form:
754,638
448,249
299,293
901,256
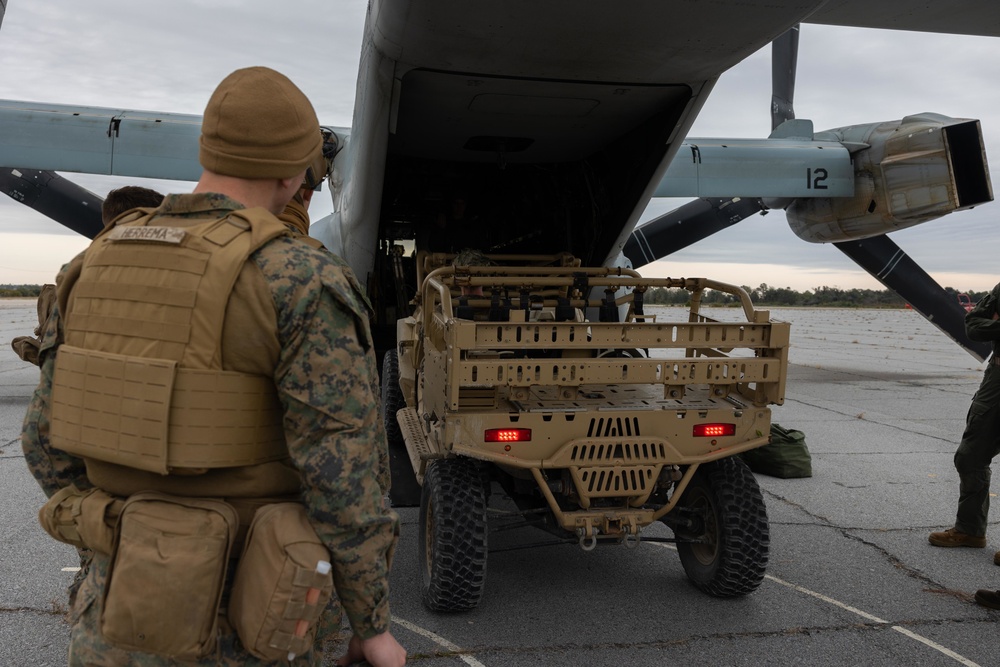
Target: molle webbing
161,291
151,415
139,380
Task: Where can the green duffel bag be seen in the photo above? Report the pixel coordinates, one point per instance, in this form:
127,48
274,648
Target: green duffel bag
786,456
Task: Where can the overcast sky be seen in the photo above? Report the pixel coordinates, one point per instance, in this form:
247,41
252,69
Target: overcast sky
170,56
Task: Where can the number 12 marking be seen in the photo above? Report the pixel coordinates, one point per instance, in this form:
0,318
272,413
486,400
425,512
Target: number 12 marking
816,179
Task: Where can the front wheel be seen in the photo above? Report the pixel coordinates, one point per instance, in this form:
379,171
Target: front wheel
452,535
725,555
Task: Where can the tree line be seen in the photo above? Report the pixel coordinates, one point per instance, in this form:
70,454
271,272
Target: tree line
20,290
768,295
764,295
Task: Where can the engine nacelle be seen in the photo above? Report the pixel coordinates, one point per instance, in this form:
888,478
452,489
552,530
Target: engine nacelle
906,172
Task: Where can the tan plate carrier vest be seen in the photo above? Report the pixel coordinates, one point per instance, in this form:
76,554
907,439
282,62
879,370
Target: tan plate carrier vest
139,380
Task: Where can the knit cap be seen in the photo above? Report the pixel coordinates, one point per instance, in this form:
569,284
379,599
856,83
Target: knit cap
258,124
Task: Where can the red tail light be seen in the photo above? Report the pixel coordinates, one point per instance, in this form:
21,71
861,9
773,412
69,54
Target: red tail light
713,430
507,435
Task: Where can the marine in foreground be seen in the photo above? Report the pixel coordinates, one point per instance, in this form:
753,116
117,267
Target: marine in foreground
203,423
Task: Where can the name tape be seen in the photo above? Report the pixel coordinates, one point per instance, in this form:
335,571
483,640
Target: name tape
154,234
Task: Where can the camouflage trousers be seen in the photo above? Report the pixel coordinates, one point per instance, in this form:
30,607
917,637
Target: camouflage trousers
88,648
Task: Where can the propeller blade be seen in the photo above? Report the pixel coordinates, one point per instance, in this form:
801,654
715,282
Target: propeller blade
60,199
784,56
686,225
881,257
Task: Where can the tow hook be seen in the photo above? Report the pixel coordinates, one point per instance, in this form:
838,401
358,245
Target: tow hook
587,542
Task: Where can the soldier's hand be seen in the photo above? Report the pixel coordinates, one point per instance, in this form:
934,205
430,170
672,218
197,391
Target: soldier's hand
379,651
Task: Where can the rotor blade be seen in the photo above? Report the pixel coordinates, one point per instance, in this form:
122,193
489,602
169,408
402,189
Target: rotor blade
784,56
686,225
60,199
881,257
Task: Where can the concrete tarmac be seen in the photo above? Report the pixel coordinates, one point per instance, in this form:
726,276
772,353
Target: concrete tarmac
882,398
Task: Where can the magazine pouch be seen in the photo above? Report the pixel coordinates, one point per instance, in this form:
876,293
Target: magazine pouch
84,519
167,575
282,584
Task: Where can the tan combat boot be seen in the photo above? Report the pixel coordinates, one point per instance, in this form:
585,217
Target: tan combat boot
996,558
954,538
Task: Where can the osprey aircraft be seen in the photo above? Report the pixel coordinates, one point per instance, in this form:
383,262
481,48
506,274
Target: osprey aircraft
526,127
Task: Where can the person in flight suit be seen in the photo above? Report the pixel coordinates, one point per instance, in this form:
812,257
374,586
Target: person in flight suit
204,370
980,443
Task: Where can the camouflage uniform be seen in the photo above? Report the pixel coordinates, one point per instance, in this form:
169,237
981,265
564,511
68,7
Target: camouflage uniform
296,218
981,439
309,343
27,347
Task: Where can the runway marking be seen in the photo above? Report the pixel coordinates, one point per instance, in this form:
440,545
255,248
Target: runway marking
824,598
863,614
875,619
934,645
439,640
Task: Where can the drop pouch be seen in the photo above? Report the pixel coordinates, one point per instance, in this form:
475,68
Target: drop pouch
84,519
270,598
167,575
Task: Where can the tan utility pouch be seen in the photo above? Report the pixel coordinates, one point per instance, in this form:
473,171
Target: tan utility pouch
270,603
84,519
167,574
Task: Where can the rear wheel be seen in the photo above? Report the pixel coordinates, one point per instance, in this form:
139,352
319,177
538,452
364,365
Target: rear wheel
452,538
405,490
725,555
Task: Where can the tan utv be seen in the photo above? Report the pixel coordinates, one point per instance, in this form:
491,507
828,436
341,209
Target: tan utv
550,383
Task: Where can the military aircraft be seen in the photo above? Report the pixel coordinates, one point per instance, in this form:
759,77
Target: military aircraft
518,126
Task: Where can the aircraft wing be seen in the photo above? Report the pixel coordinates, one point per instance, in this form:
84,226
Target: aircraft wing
959,17
98,140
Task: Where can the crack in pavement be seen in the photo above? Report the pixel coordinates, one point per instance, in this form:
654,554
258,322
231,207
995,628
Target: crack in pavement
56,609
891,558
480,651
15,400
869,419
816,524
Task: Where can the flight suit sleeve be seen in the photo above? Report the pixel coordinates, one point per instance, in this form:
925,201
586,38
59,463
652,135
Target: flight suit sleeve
980,322
332,424
52,468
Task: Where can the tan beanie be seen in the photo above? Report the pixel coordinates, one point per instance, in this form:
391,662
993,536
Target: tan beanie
258,124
